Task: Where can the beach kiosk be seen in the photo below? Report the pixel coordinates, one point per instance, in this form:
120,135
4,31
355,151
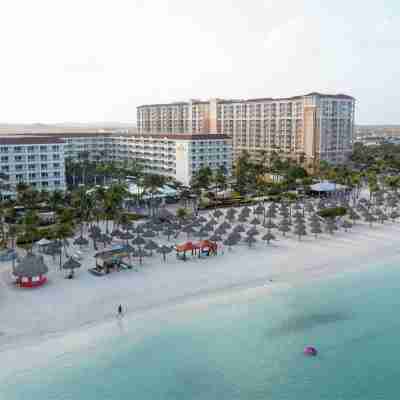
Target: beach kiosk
111,260
31,271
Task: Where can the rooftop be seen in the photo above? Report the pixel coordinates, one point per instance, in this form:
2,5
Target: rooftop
182,136
255,100
29,140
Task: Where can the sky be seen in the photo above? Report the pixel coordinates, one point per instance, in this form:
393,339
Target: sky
94,60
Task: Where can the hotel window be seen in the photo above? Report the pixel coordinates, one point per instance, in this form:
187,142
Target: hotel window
31,158
56,165
31,166
32,176
4,149
43,166
45,183
19,167
44,174
4,159
19,177
43,157
17,149
5,168
43,148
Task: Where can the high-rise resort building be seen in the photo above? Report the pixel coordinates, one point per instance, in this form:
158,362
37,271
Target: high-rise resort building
36,161
314,126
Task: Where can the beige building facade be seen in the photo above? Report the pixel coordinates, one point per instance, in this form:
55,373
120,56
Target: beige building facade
313,127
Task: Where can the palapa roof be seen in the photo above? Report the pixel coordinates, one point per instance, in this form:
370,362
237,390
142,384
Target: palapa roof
30,266
71,264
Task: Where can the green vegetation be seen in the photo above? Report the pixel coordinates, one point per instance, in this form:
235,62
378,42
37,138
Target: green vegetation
332,212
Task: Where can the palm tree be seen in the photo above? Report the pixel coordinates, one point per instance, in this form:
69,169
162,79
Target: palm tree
63,232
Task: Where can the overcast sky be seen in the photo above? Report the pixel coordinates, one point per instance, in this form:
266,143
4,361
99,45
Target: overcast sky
85,61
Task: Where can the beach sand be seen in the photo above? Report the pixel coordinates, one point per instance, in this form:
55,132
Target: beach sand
30,315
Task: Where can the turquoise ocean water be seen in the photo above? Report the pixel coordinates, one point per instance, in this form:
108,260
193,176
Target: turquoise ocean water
247,347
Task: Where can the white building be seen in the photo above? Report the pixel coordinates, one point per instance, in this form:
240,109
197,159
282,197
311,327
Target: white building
173,155
37,161
180,156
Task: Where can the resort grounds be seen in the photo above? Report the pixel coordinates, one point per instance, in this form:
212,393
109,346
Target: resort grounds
28,316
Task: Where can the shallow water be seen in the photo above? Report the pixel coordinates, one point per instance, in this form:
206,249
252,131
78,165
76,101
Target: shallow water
238,347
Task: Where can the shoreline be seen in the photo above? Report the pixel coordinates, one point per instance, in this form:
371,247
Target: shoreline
305,269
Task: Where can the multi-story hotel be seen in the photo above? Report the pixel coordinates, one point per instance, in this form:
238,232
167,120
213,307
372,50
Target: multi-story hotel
176,156
314,126
37,161
181,156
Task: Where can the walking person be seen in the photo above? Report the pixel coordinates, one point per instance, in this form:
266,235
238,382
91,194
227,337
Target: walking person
120,310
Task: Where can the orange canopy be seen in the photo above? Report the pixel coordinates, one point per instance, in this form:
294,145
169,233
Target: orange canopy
207,244
188,246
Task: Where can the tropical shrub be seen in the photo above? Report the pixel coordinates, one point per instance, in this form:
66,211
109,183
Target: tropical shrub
332,212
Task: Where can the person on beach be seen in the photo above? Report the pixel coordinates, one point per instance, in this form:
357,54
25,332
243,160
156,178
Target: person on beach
120,310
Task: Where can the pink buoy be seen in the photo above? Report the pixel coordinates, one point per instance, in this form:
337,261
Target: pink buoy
310,351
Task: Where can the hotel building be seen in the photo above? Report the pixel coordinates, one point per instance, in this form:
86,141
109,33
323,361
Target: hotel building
313,126
180,156
37,161
176,156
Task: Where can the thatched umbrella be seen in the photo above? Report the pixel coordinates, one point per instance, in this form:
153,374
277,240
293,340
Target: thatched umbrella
201,233
330,225
139,252
217,214
215,238
81,241
138,241
164,250
268,237
220,231
236,236
229,242
239,228
250,240
169,232
284,228
116,233
231,213
242,218
370,219
300,231
269,225
212,222
225,225
270,213
253,232
255,221
31,266
202,220
149,234
315,228
151,245
95,230
230,218
188,229
71,265
259,210
309,208
394,215
126,236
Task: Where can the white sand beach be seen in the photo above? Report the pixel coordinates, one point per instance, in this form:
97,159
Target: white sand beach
63,305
